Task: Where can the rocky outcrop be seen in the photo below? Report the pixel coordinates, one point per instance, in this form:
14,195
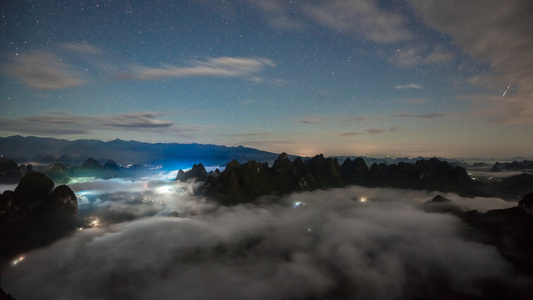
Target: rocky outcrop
245,182
509,230
58,172
240,183
11,172
526,165
4,295
198,171
34,189
112,170
61,206
511,188
35,214
440,204
527,203
92,168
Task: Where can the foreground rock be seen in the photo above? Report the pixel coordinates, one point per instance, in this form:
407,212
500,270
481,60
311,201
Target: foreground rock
35,214
440,204
509,230
11,172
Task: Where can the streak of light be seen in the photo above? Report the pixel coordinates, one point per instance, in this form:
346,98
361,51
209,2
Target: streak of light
505,92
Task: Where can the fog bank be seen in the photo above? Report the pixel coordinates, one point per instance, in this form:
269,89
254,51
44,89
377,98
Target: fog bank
323,244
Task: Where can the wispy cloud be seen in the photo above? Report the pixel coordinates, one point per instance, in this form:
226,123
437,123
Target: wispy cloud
357,119
422,116
408,86
369,131
497,33
62,123
364,18
43,71
313,120
277,13
350,133
381,130
82,48
214,67
251,134
137,120
419,55
414,100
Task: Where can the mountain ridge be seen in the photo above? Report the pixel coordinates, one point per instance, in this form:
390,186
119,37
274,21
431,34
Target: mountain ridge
47,150
242,183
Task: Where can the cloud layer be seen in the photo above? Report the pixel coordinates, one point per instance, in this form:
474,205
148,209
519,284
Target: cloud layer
326,244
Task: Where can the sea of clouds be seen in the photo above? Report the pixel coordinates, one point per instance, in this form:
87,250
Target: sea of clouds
311,245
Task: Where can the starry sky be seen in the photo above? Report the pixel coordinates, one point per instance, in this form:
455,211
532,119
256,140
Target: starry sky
369,77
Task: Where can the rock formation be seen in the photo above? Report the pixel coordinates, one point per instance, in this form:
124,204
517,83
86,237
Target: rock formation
198,171
526,165
11,172
440,204
35,214
527,203
509,230
245,182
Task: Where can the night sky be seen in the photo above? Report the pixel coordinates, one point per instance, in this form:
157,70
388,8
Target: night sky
338,77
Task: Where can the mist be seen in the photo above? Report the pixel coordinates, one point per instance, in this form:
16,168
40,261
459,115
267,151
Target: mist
354,242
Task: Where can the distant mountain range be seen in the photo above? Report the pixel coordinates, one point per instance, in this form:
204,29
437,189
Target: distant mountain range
526,165
50,150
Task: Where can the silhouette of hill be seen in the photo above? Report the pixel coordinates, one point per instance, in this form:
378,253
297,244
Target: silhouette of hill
48,150
526,165
35,213
240,183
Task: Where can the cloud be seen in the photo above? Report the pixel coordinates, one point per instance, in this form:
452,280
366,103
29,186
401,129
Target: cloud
380,130
363,18
132,120
497,33
350,133
251,134
408,86
54,123
358,119
370,131
217,67
422,116
137,120
330,246
277,13
21,126
313,120
414,100
43,71
419,55
82,48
